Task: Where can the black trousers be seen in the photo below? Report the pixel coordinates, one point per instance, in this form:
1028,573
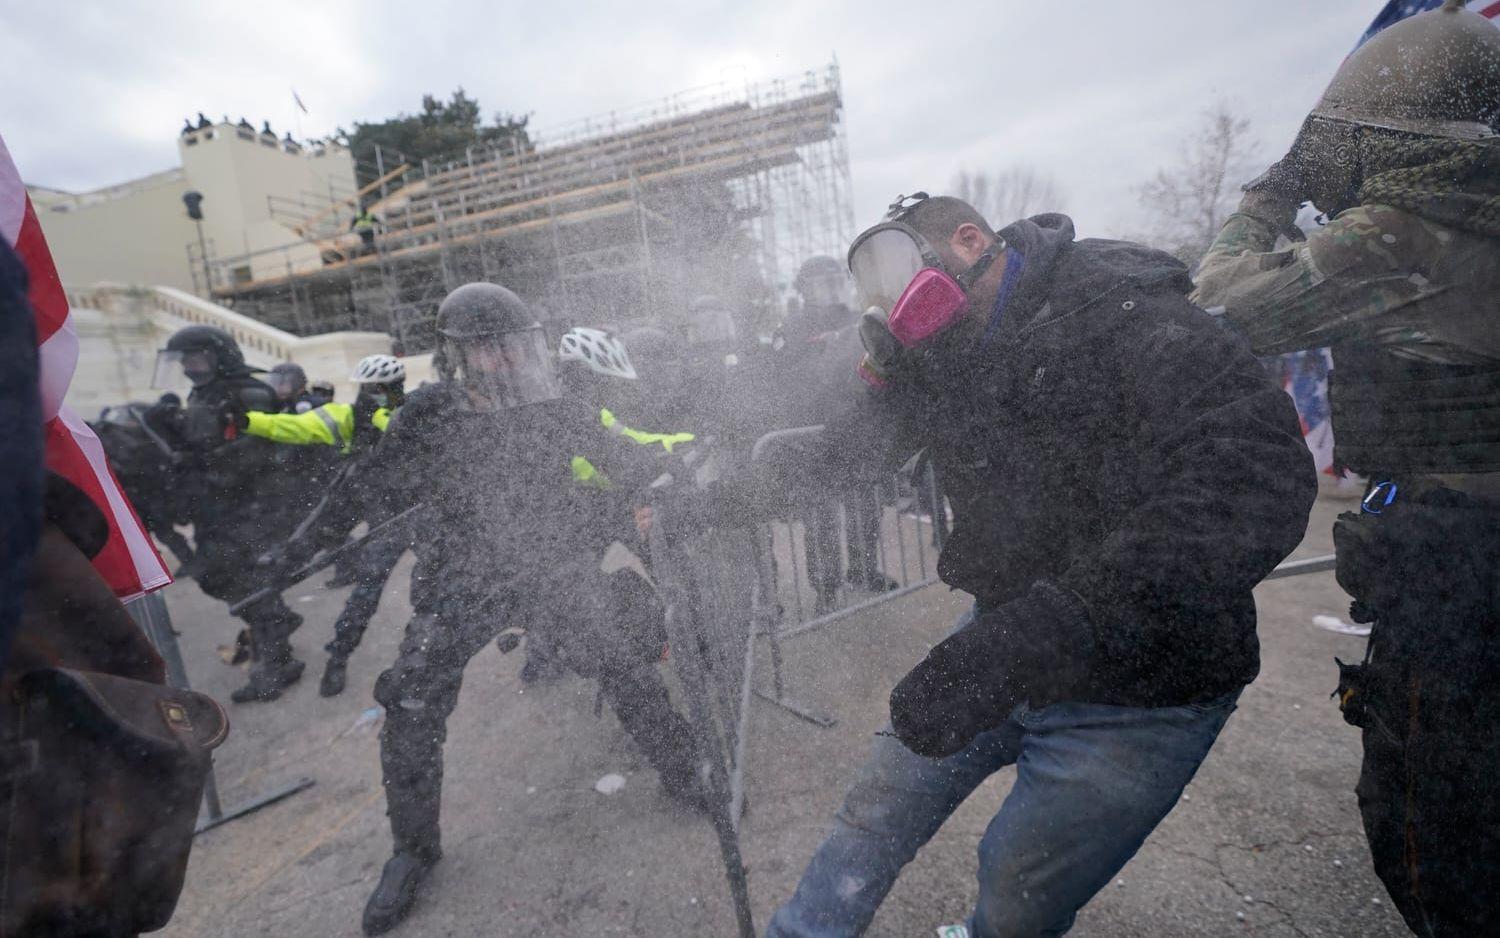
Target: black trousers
226,569
1429,785
862,532
1426,570
572,607
372,569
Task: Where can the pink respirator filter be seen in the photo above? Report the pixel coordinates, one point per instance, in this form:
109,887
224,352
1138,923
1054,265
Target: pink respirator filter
929,304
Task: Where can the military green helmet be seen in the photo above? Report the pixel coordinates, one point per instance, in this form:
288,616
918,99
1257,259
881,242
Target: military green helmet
1436,73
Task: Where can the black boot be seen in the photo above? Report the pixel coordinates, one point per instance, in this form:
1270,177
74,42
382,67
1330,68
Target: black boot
268,679
333,676
400,884
271,622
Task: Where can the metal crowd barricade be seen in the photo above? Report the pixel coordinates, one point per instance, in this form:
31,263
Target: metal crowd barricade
727,584
150,613
835,554
710,583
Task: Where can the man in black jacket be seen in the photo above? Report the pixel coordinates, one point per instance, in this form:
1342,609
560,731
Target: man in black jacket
1122,474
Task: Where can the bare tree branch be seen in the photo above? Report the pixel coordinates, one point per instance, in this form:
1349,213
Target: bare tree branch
1004,196
1188,203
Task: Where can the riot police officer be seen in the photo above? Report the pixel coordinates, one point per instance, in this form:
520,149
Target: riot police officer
1404,284
515,516
238,507
351,430
289,381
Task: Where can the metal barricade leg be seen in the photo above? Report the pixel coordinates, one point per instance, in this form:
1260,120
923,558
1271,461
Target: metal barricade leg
723,781
765,623
150,613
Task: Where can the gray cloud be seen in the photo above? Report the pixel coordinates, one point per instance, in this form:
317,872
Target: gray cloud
1098,94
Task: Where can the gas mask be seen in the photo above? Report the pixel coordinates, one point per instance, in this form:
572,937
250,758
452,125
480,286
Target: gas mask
909,296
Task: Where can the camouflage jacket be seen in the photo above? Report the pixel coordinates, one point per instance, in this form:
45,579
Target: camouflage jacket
1375,273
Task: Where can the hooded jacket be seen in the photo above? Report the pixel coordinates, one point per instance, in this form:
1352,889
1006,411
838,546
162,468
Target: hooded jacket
1115,455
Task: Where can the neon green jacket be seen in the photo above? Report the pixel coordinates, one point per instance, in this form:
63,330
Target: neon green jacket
667,440
584,471
329,425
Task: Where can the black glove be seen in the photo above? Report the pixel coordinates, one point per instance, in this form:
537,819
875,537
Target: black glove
365,407
232,416
1035,646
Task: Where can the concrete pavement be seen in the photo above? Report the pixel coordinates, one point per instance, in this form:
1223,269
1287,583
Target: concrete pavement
1266,842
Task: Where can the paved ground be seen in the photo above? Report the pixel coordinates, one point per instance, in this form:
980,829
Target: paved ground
1268,831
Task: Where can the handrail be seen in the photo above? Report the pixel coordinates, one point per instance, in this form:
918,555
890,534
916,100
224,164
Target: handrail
260,342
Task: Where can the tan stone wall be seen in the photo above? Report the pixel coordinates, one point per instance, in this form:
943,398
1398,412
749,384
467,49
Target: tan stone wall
139,232
141,236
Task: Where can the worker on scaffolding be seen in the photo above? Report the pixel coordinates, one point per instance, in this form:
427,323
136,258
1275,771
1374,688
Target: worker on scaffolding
364,224
352,430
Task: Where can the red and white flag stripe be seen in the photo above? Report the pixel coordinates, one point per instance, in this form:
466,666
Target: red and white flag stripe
129,561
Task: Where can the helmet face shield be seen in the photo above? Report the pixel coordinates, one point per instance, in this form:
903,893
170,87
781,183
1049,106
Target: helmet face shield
711,327
825,289
511,369
198,366
284,383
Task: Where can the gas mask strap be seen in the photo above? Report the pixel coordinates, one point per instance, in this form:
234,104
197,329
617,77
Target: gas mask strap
967,278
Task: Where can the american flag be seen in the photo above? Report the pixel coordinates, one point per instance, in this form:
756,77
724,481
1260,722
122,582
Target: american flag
129,562
1397,10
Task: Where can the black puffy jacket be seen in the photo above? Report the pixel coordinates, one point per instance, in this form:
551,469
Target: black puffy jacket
1115,441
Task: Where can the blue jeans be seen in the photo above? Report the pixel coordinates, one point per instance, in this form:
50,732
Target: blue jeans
1092,782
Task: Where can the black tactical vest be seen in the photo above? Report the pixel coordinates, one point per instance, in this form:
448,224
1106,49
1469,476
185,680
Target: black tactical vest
1395,417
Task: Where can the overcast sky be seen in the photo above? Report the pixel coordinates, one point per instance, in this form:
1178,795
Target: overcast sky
1098,94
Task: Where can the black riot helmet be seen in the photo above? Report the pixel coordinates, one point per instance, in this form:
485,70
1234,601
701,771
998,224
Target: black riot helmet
823,281
490,343
287,380
202,353
663,395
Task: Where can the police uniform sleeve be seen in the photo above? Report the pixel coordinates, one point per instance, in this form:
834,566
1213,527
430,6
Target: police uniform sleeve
1351,279
329,425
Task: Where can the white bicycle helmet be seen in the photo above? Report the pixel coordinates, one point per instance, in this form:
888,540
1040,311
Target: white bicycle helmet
602,352
378,369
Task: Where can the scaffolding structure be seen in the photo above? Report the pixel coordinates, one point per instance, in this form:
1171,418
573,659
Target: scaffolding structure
612,220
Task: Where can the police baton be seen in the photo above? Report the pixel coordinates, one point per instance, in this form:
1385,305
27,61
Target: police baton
320,562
